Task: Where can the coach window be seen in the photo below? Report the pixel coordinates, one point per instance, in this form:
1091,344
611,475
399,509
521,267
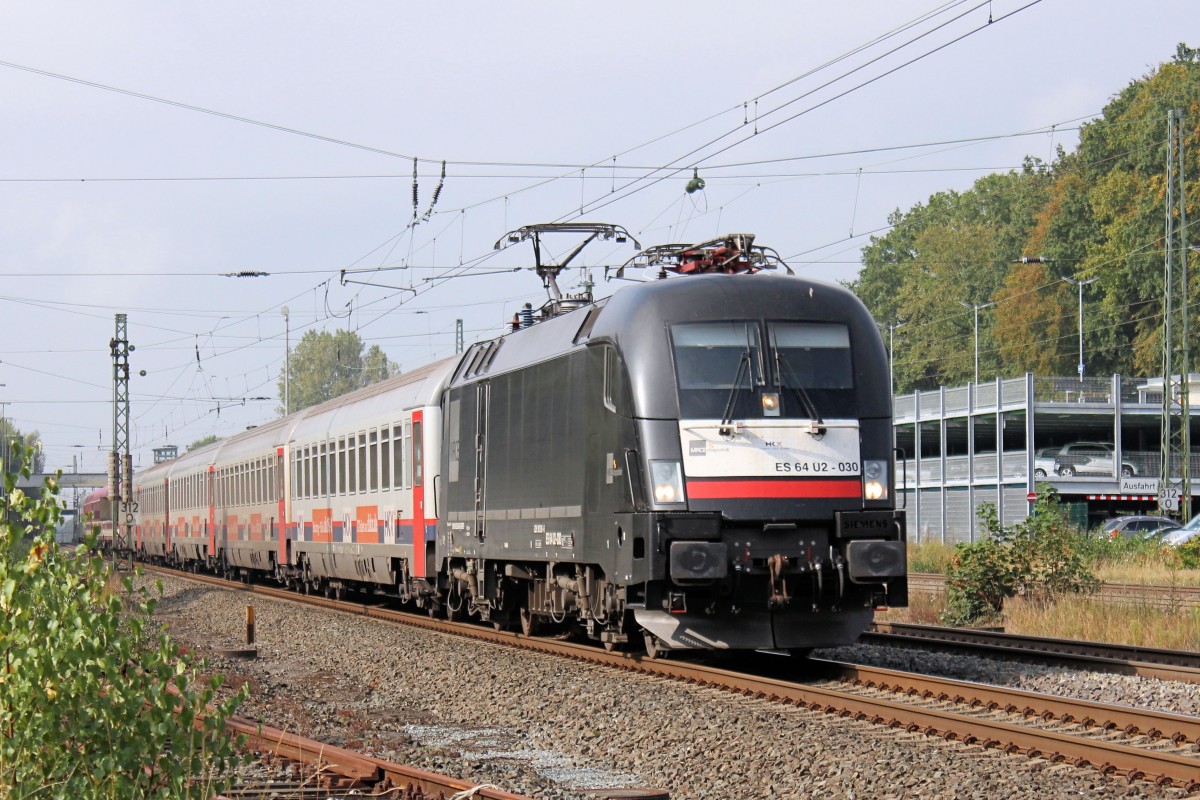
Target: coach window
341,466
314,467
351,464
331,468
323,471
308,472
364,477
385,461
397,455
407,447
373,441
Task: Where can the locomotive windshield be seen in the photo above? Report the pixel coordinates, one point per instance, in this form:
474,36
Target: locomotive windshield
722,368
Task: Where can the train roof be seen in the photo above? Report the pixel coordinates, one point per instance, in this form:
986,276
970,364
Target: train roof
636,319
420,386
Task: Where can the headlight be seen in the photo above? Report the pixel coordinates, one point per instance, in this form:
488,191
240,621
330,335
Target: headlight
875,480
667,479
770,404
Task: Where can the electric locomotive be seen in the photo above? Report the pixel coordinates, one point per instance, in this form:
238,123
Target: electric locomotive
704,461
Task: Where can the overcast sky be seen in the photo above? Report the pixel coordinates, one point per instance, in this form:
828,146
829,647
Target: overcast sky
149,150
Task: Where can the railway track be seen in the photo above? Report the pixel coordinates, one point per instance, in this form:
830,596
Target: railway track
1145,662
1136,744
325,771
1161,596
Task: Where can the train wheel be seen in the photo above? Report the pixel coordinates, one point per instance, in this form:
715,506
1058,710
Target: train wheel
529,623
654,649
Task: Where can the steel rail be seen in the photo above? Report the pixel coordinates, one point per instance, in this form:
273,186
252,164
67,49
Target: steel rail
1146,662
1178,728
357,770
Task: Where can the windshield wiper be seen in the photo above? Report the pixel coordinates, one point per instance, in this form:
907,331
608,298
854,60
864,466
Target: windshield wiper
726,428
783,367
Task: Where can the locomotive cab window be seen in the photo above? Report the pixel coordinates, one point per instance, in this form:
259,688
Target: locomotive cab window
717,365
726,367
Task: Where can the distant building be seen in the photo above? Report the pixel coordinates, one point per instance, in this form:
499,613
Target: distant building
983,443
166,453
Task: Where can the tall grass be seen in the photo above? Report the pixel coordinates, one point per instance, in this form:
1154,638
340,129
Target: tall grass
1120,560
930,557
1075,617
1097,620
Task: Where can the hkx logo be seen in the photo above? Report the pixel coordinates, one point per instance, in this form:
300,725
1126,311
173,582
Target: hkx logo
696,447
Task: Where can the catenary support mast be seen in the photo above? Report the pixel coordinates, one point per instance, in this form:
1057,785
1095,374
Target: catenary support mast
120,463
1175,480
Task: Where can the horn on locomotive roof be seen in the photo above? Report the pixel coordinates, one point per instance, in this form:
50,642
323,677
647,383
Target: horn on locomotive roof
734,252
549,272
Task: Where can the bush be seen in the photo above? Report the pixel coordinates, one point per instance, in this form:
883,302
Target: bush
1040,558
1189,553
95,700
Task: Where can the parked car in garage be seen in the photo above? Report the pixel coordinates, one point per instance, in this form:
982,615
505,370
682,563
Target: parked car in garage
1043,461
1185,534
1089,458
1139,526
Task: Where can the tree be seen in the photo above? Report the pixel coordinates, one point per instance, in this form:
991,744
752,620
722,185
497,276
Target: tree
326,365
207,440
95,700
1096,212
13,442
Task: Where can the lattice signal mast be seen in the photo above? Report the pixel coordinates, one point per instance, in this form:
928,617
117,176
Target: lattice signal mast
120,463
1175,479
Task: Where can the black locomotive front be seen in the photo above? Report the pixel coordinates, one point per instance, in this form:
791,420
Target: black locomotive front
705,459
763,432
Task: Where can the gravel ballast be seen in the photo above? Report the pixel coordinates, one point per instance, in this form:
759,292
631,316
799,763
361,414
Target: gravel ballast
552,728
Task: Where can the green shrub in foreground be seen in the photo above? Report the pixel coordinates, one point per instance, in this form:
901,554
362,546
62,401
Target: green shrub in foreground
95,700
1041,557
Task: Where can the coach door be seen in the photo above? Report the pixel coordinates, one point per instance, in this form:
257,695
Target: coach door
418,488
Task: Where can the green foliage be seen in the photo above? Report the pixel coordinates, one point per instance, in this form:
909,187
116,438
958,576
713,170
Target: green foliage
1041,558
1189,554
933,557
327,365
1096,212
95,701
13,442
1101,548
204,442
